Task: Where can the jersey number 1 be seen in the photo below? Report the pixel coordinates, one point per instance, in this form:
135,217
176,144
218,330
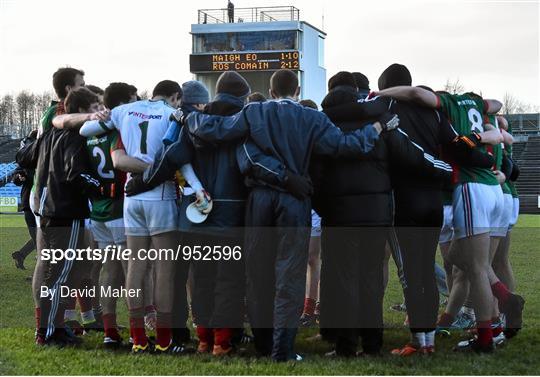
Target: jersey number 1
144,134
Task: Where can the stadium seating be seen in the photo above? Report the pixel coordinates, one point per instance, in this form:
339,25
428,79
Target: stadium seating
6,170
528,184
8,148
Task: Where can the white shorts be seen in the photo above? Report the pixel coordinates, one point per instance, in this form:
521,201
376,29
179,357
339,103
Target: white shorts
150,217
31,199
515,212
447,230
109,232
508,212
315,224
501,220
478,209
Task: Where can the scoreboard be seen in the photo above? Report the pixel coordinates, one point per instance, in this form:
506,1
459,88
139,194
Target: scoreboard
245,61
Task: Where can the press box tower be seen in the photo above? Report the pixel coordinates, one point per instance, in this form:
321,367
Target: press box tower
258,42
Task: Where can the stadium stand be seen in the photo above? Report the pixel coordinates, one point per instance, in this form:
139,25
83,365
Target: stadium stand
6,170
8,148
526,151
10,190
528,184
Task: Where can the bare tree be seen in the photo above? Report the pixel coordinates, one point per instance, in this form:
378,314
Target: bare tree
144,94
7,114
24,101
454,87
512,105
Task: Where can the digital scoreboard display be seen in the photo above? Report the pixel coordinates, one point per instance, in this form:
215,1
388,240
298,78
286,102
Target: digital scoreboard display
245,61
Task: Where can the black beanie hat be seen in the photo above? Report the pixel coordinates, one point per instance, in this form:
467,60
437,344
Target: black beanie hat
362,82
342,78
395,75
233,83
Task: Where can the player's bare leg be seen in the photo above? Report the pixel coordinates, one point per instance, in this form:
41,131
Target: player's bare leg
448,267
111,277
312,281
501,263
164,289
137,272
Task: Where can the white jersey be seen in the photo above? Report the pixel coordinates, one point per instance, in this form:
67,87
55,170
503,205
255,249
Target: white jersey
142,125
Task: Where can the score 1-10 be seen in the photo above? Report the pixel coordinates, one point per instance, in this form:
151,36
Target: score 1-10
290,55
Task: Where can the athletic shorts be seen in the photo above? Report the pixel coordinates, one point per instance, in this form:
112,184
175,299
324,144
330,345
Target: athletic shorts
315,224
508,212
109,232
478,209
515,212
501,220
32,197
447,230
150,217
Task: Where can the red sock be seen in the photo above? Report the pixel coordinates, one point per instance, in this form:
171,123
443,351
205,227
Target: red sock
37,314
222,337
501,292
163,329
110,326
309,305
136,325
485,333
445,320
205,334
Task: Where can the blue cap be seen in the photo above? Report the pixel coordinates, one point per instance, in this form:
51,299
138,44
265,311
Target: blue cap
195,92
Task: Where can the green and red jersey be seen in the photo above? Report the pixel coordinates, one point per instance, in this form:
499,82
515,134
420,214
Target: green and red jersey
100,149
465,112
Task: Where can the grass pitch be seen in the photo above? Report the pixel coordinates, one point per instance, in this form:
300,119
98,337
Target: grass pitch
19,355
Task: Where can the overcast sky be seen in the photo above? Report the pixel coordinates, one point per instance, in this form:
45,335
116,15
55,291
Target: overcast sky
491,46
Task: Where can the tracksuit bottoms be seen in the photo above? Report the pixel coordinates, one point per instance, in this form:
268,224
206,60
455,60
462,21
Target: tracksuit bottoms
276,251
60,234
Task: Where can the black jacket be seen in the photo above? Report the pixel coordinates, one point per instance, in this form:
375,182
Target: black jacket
429,129
358,191
63,179
216,167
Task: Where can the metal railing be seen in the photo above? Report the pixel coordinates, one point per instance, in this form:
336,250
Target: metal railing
257,14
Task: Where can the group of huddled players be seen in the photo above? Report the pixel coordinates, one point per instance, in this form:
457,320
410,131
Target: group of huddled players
327,194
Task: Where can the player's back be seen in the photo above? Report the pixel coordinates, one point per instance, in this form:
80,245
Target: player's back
142,125
285,130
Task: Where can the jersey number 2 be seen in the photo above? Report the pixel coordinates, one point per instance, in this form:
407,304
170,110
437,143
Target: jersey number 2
109,174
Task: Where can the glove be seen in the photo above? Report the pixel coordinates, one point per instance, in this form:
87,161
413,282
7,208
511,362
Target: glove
136,185
203,202
299,186
515,172
471,141
389,121
178,115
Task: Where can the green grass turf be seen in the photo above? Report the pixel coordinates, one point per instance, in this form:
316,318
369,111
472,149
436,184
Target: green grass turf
19,355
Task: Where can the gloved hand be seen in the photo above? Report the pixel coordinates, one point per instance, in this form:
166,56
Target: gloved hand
299,186
470,141
203,202
389,121
178,115
136,185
